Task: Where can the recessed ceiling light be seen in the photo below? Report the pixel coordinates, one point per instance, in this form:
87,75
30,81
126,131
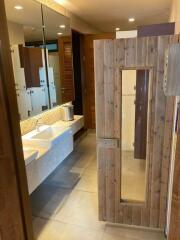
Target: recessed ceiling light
18,7
62,26
131,19
59,33
117,29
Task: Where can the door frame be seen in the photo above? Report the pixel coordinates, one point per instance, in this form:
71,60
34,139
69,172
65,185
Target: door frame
13,125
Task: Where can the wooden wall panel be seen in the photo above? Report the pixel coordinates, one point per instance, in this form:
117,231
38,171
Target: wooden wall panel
174,229
15,214
111,56
130,52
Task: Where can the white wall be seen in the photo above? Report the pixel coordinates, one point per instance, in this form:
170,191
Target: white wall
175,14
16,34
128,109
76,22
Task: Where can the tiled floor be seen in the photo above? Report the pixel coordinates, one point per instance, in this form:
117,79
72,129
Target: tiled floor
71,212
133,185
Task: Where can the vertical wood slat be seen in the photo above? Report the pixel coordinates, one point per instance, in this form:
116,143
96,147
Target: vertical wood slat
174,229
127,215
141,52
109,127
130,52
100,118
117,125
119,53
168,135
151,60
160,105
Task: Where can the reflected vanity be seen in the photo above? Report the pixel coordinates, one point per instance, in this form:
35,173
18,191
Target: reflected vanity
135,105
41,51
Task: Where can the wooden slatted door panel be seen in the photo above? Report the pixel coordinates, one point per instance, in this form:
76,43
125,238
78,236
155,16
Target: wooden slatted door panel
66,69
111,57
108,128
89,88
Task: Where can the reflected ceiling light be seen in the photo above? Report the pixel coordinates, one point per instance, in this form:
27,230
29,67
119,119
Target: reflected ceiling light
131,19
62,26
61,1
117,29
59,33
18,7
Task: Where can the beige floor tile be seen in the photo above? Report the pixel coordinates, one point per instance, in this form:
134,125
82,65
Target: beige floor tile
47,229
47,200
81,208
112,232
133,177
88,182
72,214
73,232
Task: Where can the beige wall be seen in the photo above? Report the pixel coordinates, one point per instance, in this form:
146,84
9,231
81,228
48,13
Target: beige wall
16,34
76,23
175,14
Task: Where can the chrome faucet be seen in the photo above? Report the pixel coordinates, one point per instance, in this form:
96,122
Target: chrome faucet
39,123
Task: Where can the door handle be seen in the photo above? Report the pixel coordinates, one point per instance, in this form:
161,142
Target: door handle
108,143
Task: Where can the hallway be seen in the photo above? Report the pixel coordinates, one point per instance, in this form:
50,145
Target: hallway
65,206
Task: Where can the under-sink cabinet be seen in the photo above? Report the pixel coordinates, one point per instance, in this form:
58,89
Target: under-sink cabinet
47,147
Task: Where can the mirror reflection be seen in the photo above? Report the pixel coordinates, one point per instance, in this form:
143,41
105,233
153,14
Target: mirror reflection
59,56
28,59
135,104
41,50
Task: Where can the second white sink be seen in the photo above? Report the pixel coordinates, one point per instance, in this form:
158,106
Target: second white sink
46,138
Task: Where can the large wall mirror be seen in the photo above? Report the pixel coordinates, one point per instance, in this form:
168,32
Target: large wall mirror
40,40
134,135
58,43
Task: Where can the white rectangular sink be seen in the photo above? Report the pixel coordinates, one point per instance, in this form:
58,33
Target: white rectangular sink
29,155
47,136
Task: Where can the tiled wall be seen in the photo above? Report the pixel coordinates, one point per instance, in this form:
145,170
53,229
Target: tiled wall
48,117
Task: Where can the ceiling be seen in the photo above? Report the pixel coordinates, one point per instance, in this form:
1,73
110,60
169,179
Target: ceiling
106,15
31,20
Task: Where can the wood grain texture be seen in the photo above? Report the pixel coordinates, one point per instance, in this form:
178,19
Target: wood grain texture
171,85
174,230
66,69
111,56
89,84
15,215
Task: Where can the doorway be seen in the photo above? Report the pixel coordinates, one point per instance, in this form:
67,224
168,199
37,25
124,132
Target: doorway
78,70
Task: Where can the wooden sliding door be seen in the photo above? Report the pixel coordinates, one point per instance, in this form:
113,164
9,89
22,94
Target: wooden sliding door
112,57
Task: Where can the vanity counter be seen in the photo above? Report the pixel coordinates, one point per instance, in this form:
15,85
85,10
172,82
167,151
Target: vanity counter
75,124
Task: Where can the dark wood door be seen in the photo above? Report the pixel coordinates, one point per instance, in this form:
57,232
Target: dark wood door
77,67
31,61
141,111
89,85
66,68
15,216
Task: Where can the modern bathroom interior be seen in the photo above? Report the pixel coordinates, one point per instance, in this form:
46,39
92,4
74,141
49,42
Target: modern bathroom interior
92,147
